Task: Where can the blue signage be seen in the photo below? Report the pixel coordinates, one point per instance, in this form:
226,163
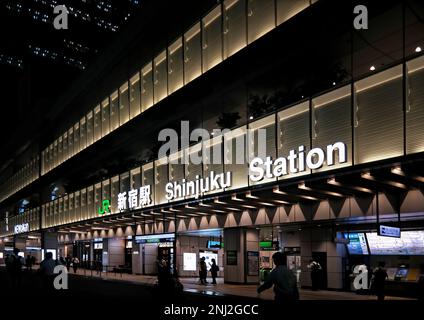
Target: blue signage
386,231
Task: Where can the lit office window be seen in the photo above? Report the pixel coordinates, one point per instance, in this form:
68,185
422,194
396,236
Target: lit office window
212,39
160,80
114,194
105,117
65,146
124,107
71,142
97,131
262,141
76,138
84,204
90,128
161,179
287,9
331,122
114,110
77,206
234,26
175,66
135,91
415,105
260,18
146,87
83,133
293,130
235,157
192,54
378,117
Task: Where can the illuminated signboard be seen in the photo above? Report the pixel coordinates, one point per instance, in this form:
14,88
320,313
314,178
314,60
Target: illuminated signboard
409,243
134,199
21,228
357,243
189,261
105,208
155,238
386,231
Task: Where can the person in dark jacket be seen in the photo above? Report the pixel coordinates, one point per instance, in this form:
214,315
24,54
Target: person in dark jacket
379,280
214,271
283,280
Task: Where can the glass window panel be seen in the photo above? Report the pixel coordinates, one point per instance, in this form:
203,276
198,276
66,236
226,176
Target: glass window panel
60,150
90,128
124,104
83,133
114,194
97,199
55,151
176,168
235,157
65,145
260,18
212,156
161,179
160,77
135,91
415,106
76,138
105,117
212,39
146,87
293,130
61,212
77,206
148,179
90,202
331,119
175,66
192,54
414,27
66,209
261,142
106,191
378,116
71,142
97,123
43,167
114,111
289,8
135,178
84,204
124,185
71,206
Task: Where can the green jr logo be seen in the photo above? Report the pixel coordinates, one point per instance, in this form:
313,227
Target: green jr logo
105,208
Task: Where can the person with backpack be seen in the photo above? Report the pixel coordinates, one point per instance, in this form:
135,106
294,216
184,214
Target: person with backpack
214,271
14,265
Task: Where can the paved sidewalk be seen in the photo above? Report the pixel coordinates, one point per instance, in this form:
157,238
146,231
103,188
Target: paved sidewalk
192,285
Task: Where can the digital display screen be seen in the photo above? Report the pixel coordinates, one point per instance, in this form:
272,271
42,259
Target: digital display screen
214,244
357,243
209,255
189,261
409,243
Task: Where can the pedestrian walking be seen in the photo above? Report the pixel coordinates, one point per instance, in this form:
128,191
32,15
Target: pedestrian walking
75,264
203,271
283,280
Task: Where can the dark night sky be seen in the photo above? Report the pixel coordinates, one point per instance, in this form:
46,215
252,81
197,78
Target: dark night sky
31,81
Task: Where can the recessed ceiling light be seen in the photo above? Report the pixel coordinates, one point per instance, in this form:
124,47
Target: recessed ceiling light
418,49
372,68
